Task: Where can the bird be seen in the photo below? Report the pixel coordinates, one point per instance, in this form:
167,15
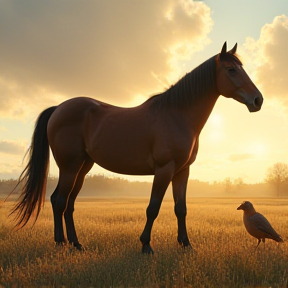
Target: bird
257,225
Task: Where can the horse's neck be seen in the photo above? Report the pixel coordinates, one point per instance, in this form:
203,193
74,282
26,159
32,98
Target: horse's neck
199,113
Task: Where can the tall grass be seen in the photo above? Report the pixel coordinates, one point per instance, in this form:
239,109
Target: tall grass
222,255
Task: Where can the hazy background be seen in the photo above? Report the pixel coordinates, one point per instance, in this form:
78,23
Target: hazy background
122,52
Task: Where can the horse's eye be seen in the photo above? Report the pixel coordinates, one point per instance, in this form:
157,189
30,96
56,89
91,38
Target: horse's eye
231,69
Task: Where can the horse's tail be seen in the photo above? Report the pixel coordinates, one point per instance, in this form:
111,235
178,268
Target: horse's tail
34,176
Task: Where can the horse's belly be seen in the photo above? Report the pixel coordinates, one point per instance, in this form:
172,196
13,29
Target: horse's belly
125,168
131,170
123,162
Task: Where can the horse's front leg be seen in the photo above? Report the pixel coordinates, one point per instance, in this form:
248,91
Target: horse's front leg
179,184
161,181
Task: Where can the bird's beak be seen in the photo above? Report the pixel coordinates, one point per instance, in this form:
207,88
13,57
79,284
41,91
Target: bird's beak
240,207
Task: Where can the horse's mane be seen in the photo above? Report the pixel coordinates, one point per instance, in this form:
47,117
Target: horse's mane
194,85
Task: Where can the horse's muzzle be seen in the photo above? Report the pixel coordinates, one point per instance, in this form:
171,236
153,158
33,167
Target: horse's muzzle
256,104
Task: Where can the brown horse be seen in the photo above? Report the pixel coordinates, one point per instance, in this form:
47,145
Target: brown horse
159,137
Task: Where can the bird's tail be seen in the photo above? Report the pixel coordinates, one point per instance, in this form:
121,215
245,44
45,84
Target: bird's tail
279,238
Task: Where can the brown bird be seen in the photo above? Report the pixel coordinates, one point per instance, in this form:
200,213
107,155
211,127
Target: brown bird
257,225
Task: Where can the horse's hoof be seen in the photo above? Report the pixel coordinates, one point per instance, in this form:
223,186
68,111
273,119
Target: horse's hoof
187,246
184,243
78,246
146,249
60,244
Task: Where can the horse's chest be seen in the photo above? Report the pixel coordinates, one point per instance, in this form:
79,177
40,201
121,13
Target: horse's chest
190,155
182,153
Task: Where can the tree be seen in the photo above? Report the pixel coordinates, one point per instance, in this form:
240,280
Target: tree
277,177
238,183
228,185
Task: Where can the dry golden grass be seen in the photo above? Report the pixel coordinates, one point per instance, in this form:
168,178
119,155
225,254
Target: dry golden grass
110,229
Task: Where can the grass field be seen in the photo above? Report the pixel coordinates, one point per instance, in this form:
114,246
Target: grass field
110,229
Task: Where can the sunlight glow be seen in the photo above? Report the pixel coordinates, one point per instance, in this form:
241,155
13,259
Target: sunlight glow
257,149
137,100
216,120
215,126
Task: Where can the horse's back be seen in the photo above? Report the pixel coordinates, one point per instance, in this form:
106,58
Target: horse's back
115,138
71,111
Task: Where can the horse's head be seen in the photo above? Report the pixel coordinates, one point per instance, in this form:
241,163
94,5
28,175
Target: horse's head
233,81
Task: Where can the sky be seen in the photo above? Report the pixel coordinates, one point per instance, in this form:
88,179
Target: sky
122,52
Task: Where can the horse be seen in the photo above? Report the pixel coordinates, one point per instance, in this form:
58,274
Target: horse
160,137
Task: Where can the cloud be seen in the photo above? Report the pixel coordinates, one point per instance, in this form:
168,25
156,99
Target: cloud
10,170
3,129
11,147
269,53
240,157
111,50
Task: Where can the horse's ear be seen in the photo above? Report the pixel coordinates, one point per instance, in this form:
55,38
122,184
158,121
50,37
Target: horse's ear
233,50
224,49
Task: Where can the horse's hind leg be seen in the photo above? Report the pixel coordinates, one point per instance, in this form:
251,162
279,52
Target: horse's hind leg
67,178
59,200
68,215
179,184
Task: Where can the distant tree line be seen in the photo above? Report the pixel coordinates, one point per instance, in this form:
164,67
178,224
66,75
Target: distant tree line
277,177
275,184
